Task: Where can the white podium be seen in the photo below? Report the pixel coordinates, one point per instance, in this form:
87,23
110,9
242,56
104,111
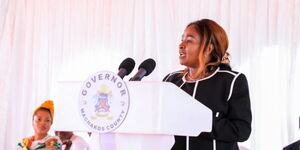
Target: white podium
157,112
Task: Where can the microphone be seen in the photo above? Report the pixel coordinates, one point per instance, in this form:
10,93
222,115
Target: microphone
126,67
145,68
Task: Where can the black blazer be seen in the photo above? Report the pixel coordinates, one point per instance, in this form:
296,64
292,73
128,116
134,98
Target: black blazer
293,146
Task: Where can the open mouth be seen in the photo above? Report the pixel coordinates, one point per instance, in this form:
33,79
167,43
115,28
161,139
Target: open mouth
181,54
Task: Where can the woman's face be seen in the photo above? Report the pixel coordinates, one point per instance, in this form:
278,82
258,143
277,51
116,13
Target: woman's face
64,135
42,122
189,48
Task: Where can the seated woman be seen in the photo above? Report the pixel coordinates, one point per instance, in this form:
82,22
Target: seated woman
71,141
42,120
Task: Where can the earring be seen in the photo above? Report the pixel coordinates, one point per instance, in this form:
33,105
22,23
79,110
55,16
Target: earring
225,58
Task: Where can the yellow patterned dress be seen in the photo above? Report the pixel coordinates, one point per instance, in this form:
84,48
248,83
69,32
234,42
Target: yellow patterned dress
47,143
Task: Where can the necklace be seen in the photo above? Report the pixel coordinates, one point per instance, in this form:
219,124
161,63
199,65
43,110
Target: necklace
189,78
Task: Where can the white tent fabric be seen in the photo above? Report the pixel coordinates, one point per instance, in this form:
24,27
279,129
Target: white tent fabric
45,41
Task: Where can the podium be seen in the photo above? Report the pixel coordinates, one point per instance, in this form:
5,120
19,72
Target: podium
157,112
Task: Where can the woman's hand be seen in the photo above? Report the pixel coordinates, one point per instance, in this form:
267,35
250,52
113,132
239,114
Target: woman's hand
68,144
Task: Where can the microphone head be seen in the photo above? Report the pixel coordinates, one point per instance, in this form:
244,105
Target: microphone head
148,65
127,64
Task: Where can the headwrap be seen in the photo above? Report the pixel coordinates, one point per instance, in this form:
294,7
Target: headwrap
48,104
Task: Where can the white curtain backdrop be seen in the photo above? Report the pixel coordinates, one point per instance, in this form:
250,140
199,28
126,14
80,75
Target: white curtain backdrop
45,41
